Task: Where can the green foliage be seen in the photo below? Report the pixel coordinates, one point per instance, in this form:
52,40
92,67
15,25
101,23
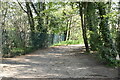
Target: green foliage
60,18
14,50
69,42
118,42
109,61
102,30
92,24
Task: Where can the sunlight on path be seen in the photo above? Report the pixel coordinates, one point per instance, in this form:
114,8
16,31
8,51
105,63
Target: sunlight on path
57,62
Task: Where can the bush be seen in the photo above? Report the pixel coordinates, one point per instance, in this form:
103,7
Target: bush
69,42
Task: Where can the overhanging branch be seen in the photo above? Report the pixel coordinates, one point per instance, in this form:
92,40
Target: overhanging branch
21,7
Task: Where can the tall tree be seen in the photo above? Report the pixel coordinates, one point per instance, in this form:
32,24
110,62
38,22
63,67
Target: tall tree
118,31
108,48
38,8
92,24
82,10
28,11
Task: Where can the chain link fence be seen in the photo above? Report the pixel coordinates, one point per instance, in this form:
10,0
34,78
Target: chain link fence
19,43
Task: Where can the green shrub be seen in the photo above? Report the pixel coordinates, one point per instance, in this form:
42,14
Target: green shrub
69,42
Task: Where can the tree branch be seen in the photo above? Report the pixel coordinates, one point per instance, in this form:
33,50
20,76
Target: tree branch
21,7
34,9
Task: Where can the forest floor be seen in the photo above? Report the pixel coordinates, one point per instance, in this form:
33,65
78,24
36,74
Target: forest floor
57,62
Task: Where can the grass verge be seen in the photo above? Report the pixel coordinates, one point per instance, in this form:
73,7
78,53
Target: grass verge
69,42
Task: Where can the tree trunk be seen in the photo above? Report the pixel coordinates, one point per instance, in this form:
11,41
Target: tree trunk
68,29
30,17
31,22
118,33
110,51
41,21
92,23
65,35
82,7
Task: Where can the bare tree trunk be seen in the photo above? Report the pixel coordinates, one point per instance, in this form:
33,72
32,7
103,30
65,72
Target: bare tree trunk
65,32
68,29
83,24
30,16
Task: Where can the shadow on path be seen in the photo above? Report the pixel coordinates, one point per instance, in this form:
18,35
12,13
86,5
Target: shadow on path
57,62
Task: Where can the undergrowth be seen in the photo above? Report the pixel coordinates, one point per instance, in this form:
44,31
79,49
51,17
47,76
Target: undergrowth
69,42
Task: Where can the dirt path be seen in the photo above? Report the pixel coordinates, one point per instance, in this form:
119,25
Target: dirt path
57,62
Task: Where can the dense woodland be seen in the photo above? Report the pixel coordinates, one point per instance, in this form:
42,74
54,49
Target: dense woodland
28,26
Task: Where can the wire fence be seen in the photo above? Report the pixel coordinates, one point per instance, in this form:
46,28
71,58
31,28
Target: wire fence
19,43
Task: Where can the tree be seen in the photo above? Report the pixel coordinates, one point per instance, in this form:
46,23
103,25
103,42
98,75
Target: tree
108,50
92,25
82,10
118,31
28,11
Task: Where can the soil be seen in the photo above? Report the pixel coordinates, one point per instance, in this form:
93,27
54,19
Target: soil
57,62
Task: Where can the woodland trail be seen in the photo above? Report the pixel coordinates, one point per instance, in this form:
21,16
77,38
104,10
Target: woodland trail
57,62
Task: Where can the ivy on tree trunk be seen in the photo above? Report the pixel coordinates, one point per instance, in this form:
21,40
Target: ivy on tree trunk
108,50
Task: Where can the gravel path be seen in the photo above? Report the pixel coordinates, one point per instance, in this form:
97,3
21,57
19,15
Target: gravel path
57,62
